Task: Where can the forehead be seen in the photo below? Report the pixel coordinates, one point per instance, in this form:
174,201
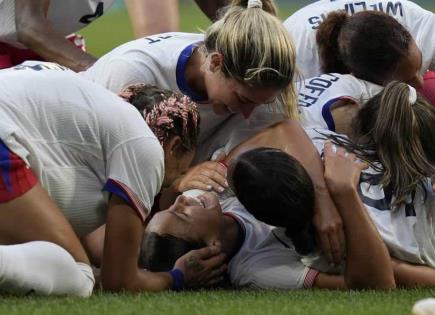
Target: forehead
166,222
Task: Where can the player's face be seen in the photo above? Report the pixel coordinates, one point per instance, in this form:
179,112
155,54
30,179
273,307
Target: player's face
229,96
408,70
188,219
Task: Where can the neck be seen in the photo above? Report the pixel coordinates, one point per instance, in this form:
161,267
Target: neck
193,73
229,236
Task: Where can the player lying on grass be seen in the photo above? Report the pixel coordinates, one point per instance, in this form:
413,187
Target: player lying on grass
262,256
75,156
375,40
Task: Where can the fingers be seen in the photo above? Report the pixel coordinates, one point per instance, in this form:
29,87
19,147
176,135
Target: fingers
336,248
206,252
326,247
215,179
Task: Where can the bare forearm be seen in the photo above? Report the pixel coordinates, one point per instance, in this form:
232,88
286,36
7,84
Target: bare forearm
52,46
413,276
368,261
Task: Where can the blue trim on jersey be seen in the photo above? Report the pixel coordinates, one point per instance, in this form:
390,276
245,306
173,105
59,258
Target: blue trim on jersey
5,165
181,69
326,113
112,187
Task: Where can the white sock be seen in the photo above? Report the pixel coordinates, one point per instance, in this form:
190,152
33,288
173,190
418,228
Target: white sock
44,268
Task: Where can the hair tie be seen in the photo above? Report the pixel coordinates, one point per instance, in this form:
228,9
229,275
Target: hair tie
255,4
412,95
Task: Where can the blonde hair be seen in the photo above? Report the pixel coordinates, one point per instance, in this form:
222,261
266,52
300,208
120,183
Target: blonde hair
256,48
396,129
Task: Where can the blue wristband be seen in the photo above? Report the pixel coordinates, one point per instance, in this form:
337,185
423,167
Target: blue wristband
178,279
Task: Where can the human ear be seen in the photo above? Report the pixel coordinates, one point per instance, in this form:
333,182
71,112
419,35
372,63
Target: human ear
173,146
216,62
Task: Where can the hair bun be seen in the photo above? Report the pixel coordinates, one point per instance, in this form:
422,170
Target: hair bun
255,4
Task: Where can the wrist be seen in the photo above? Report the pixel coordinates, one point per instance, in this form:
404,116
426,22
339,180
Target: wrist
177,279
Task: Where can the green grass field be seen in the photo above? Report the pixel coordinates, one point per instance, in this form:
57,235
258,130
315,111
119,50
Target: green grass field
114,28
103,35
223,302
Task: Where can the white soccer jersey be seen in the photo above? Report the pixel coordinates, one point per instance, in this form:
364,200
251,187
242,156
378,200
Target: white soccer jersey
408,230
318,94
303,24
66,16
161,60
81,141
266,258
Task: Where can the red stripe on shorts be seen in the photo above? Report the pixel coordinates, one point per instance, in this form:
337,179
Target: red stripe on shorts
16,178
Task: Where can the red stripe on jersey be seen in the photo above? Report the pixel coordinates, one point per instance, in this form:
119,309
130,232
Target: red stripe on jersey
310,277
12,56
16,178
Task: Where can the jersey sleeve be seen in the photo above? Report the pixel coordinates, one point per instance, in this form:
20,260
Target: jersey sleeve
279,270
117,74
135,171
421,24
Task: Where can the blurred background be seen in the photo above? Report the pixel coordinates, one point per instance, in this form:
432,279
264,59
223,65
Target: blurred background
114,27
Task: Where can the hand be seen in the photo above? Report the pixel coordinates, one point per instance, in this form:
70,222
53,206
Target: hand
342,169
206,176
202,267
329,228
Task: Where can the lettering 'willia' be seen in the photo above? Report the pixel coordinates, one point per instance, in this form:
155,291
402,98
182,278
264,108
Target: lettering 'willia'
393,8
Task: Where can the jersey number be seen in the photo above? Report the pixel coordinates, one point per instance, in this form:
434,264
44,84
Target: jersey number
88,18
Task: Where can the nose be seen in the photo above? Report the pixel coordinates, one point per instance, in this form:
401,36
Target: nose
247,110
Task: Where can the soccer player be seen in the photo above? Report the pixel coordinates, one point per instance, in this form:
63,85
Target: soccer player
37,30
262,256
77,156
220,70
330,101
375,40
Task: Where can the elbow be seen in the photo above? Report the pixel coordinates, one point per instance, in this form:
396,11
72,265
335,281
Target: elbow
371,283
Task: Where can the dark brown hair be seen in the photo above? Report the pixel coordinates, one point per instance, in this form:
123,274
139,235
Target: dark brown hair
275,188
368,44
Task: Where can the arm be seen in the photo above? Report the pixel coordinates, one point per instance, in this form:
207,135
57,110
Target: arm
150,17
210,8
124,234
120,271
413,276
290,137
36,33
368,261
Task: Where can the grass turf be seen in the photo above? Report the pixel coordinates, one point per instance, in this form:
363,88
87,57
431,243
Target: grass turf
224,302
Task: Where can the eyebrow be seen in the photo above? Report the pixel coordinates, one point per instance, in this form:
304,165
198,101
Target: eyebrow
179,216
